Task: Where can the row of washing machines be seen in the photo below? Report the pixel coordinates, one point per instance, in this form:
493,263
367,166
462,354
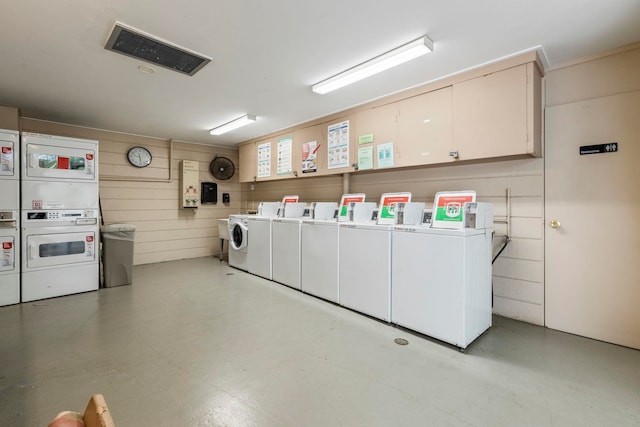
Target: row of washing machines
428,270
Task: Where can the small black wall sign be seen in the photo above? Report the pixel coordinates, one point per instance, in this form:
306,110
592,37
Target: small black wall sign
611,147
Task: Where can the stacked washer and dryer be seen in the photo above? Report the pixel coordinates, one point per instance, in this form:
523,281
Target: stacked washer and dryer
9,218
59,216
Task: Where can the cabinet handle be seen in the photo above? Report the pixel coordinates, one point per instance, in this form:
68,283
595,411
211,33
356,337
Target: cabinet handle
554,223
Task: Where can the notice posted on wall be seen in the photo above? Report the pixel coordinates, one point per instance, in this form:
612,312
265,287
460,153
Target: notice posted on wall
264,159
310,156
365,158
284,162
338,145
385,155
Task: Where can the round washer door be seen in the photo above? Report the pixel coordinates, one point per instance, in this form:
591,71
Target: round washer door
238,236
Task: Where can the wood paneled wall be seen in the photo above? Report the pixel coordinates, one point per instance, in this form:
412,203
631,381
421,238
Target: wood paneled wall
518,274
148,199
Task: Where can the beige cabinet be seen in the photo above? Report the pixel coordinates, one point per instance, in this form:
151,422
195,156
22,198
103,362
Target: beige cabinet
307,140
248,163
378,125
266,158
498,114
425,134
347,152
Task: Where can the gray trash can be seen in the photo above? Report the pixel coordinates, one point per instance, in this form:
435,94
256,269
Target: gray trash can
117,246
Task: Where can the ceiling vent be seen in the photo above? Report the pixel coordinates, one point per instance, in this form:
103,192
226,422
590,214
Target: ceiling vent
137,44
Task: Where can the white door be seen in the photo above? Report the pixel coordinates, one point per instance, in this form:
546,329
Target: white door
8,157
592,210
58,249
47,157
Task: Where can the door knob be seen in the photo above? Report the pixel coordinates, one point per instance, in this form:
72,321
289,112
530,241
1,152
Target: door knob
554,223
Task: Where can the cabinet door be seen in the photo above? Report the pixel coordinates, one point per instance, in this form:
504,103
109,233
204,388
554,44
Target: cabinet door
378,122
491,114
247,162
339,148
425,134
266,158
310,150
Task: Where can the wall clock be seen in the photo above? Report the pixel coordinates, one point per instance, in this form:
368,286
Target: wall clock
139,157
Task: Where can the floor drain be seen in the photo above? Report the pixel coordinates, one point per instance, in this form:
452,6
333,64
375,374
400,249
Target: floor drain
401,341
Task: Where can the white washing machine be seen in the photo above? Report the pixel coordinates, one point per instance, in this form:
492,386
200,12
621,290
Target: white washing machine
365,268
259,245
9,218
319,252
259,249
364,261
285,245
238,241
441,281
319,259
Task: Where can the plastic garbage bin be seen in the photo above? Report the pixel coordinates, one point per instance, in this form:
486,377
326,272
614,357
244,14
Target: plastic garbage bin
117,246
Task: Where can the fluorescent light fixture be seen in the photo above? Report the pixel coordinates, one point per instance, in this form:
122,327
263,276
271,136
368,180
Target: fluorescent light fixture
234,124
373,66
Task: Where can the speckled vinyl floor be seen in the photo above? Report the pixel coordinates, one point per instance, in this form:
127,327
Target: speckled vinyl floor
196,343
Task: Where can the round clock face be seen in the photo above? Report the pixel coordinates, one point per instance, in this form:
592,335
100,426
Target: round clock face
139,157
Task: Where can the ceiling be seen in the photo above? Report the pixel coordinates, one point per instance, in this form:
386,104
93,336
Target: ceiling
266,55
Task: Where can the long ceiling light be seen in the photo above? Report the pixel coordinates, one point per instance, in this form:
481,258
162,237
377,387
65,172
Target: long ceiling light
373,66
234,124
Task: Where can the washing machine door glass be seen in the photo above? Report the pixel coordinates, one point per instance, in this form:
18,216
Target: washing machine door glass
238,236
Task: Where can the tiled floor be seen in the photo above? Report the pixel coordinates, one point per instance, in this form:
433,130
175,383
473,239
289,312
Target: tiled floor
196,343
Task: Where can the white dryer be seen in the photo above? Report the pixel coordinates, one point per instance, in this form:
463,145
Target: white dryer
238,241
9,218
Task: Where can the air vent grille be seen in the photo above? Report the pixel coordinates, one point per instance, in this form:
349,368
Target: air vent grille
136,44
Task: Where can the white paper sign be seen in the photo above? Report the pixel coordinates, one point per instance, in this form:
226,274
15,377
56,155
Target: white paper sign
284,161
264,159
338,145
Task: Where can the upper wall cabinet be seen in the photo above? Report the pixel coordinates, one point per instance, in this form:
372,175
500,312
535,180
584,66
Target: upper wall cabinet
425,128
498,114
374,126
273,157
248,164
490,116
340,145
310,150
